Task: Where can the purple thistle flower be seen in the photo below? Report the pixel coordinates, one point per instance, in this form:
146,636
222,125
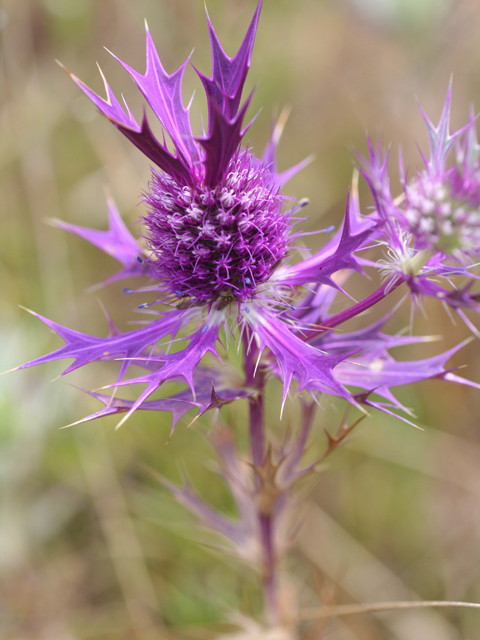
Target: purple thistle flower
219,237
432,229
215,225
439,207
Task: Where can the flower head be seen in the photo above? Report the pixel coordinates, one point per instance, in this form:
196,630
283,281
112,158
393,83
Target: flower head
442,203
432,229
440,206
217,243
215,226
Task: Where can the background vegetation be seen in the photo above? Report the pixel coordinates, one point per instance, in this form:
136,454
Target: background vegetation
92,548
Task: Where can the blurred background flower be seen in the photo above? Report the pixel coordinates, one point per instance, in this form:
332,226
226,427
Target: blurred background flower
90,547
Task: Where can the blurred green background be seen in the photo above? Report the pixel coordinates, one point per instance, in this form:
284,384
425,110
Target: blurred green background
90,547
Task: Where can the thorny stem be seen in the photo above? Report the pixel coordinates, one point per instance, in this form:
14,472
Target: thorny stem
269,569
257,431
371,300
333,442
255,378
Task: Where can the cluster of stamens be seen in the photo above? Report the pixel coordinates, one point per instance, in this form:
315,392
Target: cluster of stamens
440,219
222,242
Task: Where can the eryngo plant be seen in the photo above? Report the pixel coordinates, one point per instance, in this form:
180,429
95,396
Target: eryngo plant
218,252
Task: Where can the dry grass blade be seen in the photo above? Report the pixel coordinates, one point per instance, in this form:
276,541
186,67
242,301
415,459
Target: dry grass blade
375,607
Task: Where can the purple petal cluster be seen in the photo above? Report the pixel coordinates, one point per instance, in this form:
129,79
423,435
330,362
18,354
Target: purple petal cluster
439,217
223,242
442,203
440,206
430,232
